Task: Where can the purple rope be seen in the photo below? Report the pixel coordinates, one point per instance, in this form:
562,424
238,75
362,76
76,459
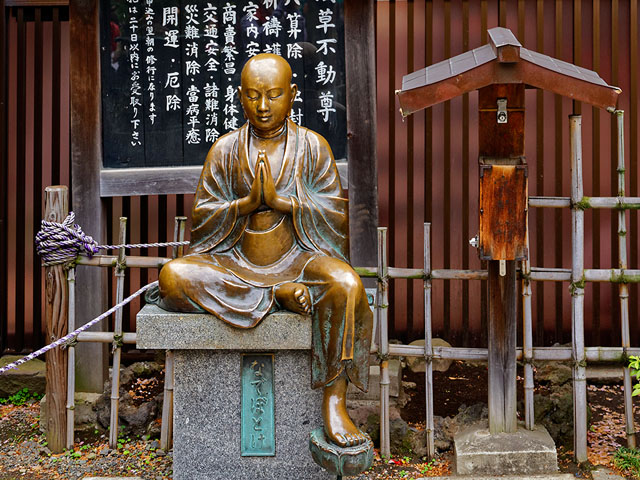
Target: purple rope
58,243
71,336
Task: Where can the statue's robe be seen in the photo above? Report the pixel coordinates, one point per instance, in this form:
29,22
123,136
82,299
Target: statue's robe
235,262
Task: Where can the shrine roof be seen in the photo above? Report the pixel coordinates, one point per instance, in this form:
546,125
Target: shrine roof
502,60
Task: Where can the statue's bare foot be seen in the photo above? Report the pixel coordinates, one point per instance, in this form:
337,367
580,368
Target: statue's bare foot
294,297
337,425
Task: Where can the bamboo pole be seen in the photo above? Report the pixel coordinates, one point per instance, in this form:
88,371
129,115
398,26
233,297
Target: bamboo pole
550,202
106,337
383,307
56,311
117,349
614,275
623,287
559,354
428,350
132,261
527,342
577,294
71,360
166,431
620,202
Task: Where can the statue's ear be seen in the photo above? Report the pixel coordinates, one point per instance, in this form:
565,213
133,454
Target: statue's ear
240,94
294,92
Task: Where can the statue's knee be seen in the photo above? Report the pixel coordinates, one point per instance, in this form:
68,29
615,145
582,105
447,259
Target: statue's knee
172,274
347,280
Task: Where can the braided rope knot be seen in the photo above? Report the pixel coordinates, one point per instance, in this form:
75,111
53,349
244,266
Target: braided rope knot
58,243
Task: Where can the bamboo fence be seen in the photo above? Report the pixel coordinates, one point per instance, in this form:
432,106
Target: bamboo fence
578,353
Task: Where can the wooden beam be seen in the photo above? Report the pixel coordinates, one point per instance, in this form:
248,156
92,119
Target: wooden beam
56,310
360,60
4,179
86,160
505,45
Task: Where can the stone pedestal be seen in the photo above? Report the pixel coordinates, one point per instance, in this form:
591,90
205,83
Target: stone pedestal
208,396
525,452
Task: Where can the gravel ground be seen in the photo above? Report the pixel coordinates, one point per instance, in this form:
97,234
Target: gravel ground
24,453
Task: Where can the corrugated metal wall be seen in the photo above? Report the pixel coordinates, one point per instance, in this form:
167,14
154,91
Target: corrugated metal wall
427,165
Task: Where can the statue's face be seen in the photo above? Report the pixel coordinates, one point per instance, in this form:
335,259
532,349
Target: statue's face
267,93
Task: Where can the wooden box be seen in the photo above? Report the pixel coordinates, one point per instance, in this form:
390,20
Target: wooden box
503,210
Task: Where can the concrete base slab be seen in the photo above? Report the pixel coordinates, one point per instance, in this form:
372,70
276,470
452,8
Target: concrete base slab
604,473
526,452
395,382
552,476
29,375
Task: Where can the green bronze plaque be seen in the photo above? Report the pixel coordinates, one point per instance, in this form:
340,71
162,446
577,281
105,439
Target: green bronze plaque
258,434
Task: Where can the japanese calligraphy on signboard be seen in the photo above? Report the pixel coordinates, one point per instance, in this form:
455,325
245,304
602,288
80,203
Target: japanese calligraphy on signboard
170,70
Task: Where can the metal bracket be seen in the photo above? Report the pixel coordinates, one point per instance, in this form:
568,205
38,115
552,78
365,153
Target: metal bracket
502,110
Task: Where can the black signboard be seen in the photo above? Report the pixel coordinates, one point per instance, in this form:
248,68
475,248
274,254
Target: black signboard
170,70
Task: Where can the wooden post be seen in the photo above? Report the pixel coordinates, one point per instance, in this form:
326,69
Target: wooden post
56,209
502,348
360,60
502,240
86,161
4,178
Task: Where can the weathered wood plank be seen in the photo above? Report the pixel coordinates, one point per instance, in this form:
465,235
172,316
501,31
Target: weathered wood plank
360,61
86,159
120,182
502,348
56,310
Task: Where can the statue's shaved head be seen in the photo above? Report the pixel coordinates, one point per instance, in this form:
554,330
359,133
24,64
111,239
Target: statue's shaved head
266,92
266,62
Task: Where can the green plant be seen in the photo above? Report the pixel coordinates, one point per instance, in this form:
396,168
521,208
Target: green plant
428,466
21,397
628,459
634,364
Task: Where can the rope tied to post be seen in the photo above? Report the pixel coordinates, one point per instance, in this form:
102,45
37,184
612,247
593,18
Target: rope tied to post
62,243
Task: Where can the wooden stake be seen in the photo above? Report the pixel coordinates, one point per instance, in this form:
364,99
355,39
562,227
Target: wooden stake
117,350
623,287
527,343
577,294
383,308
166,431
56,308
71,384
428,351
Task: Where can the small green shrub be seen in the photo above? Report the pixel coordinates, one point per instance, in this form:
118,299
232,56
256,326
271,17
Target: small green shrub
21,397
628,459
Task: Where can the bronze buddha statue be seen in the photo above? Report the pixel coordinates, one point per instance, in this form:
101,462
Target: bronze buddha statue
270,231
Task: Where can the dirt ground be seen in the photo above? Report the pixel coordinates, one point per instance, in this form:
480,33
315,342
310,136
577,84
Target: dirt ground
464,384
24,454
